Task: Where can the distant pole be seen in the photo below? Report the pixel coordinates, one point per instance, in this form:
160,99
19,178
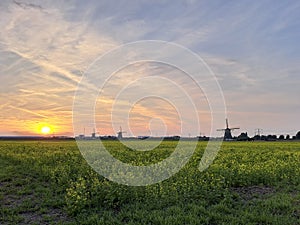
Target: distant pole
258,131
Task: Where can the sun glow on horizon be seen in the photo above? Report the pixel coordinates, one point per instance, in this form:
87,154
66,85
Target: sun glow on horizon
45,130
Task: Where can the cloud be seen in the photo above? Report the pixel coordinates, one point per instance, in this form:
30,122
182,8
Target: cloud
232,75
46,53
28,5
45,46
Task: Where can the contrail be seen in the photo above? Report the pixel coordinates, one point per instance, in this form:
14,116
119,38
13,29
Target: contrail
28,111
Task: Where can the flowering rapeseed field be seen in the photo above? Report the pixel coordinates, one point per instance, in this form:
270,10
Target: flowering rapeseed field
48,182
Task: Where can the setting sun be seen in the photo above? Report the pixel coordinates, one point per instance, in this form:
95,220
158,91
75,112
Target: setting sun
45,130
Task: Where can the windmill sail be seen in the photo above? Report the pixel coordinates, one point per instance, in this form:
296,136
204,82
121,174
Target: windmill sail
227,131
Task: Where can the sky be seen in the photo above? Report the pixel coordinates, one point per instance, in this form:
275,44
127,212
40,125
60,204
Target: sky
251,47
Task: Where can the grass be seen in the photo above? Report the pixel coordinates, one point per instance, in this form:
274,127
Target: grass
49,182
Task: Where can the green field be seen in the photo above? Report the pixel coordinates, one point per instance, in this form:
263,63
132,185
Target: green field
46,182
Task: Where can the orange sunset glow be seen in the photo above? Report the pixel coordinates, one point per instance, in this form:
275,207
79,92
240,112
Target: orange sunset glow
46,50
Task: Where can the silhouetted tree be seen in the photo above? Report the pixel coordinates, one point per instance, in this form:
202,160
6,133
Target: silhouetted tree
263,137
298,135
281,137
271,137
287,137
257,137
243,137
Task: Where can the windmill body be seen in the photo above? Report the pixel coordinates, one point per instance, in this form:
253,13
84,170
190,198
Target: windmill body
120,133
227,131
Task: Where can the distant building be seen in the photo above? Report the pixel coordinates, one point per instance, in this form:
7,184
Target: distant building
203,138
81,136
143,137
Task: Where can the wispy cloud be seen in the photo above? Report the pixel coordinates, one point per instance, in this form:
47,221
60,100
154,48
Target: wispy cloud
44,57
45,46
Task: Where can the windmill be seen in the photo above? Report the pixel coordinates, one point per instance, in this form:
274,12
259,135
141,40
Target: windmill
227,131
94,133
120,133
